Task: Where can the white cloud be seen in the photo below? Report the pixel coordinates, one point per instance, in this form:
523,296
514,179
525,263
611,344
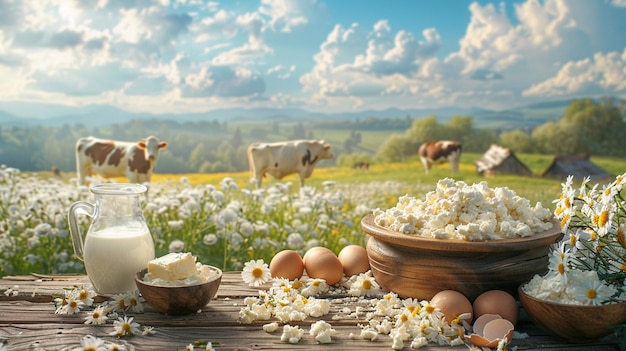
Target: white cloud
355,62
282,72
131,28
619,3
284,14
604,73
218,27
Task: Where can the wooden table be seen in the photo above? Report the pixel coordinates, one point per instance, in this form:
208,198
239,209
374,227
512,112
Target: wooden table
28,320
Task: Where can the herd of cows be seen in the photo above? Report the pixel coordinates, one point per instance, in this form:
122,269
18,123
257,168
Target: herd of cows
136,160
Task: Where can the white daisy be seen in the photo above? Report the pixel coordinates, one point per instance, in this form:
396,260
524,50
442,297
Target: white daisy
256,273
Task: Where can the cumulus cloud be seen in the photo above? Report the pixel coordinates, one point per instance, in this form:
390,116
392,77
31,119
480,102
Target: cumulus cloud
190,51
223,81
282,72
356,62
284,15
604,73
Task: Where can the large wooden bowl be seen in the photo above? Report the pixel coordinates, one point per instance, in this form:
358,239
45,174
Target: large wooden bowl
419,267
178,300
573,323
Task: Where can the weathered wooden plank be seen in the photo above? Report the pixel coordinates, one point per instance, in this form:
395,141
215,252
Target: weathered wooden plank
63,337
29,317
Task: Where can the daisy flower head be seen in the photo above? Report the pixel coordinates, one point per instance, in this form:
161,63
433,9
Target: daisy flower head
70,305
90,343
85,295
120,302
115,347
134,301
256,273
125,327
365,285
148,330
97,316
589,289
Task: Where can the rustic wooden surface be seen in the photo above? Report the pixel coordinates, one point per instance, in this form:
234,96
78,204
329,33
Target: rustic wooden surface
28,321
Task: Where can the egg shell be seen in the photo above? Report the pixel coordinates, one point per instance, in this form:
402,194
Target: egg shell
489,329
452,304
497,302
322,263
287,264
354,260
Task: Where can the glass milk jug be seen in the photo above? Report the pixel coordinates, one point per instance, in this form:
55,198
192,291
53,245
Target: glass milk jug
118,243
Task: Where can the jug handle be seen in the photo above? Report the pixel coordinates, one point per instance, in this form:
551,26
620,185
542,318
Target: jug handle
77,236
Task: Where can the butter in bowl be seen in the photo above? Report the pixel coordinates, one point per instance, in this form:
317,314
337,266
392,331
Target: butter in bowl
176,284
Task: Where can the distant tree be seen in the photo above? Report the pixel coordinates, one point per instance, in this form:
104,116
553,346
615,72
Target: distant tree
298,132
517,141
460,126
395,148
600,125
425,129
198,156
237,140
556,138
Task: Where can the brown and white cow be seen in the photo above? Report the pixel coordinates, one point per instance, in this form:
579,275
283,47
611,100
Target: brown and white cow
111,158
437,152
285,158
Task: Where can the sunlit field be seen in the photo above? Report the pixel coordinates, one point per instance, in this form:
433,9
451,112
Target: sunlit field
224,220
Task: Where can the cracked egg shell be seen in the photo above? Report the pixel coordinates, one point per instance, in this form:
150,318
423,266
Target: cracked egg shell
489,329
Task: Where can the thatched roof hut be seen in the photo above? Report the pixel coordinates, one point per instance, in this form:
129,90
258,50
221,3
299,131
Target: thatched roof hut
577,165
500,160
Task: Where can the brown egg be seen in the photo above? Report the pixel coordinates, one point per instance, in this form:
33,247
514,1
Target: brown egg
321,262
354,260
287,264
497,302
452,304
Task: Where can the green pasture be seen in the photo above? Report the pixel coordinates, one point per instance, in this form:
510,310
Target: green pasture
411,172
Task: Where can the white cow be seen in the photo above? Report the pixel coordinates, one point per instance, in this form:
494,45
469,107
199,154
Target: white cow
435,152
284,158
110,158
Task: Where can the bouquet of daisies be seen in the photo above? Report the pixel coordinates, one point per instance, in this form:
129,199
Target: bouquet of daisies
588,266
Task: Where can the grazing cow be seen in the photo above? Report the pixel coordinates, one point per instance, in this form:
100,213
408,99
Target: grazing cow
364,166
110,158
436,152
284,158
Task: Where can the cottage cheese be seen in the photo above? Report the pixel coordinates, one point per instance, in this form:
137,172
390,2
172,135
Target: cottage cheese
456,210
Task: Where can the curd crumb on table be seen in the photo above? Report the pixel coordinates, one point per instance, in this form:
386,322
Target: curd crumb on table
456,210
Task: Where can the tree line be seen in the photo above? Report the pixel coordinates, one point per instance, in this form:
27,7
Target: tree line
587,126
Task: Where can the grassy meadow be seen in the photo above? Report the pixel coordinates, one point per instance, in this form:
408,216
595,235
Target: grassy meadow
225,221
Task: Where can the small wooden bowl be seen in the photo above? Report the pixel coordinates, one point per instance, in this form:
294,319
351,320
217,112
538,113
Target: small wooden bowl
419,267
178,300
573,323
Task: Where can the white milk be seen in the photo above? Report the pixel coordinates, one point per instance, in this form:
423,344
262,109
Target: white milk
114,256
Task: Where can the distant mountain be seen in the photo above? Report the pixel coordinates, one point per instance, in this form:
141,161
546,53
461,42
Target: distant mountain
21,115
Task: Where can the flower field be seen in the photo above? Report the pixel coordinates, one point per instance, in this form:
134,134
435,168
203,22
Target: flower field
222,224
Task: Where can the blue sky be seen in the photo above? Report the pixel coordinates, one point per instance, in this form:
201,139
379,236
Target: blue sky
193,56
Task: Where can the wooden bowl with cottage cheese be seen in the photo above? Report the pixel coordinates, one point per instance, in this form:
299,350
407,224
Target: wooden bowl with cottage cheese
176,285
419,267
